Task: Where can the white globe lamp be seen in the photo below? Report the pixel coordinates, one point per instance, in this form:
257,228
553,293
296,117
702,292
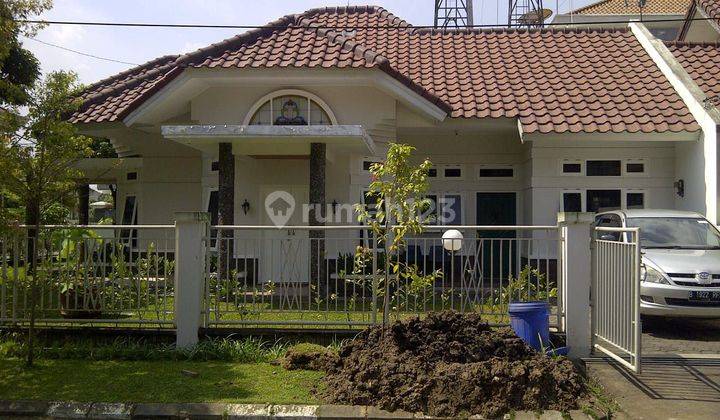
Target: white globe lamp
452,240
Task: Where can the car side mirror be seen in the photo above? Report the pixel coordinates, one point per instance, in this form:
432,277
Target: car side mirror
608,237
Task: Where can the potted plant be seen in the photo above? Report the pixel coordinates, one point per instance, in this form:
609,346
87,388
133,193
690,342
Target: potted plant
527,299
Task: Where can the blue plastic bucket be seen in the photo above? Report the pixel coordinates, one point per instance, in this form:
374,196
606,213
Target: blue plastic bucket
531,322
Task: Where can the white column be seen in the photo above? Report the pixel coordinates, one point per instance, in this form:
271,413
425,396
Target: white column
576,277
190,229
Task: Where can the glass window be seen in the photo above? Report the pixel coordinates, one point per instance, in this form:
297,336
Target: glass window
451,210
635,168
318,116
597,200
571,168
432,173
496,172
675,232
635,200
453,172
262,116
572,201
290,110
603,168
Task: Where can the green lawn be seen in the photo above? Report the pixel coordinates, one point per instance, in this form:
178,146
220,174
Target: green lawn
162,381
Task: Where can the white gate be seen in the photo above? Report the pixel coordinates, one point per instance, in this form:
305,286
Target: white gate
616,329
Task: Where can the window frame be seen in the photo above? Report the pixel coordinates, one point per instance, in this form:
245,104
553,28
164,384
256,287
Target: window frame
289,92
580,162
572,191
634,174
512,167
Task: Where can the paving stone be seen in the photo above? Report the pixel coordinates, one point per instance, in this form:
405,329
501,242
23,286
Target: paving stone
341,412
295,412
201,411
111,411
248,411
578,415
156,411
376,413
551,415
68,410
23,408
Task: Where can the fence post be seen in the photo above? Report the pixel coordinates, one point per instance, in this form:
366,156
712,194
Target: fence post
576,279
190,230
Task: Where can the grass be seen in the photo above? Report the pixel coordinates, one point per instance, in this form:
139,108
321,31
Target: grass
155,381
248,350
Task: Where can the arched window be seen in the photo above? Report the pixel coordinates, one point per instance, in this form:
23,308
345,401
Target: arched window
290,107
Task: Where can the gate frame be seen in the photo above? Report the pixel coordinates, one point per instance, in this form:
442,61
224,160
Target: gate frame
630,236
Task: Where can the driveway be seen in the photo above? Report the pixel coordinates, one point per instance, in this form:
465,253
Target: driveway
680,336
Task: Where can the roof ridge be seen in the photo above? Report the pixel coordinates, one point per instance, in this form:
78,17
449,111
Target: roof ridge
129,71
380,60
357,9
182,60
500,29
693,43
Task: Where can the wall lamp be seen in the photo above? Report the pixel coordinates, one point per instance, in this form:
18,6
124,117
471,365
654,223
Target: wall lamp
680,187
245,206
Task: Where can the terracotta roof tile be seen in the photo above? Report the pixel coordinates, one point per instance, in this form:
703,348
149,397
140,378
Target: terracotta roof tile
711,8
570,80
630,7
701,61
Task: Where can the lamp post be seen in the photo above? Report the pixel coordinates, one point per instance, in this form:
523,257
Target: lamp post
452,241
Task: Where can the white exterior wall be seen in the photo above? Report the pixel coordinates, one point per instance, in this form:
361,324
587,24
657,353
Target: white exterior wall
548,182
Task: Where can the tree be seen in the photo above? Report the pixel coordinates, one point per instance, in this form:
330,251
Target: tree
19,69
400,188
38,154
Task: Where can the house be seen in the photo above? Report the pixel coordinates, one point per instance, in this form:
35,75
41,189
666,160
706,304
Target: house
664,18
519,124
702,22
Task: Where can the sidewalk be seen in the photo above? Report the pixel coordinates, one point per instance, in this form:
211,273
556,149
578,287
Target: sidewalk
668,387
69,410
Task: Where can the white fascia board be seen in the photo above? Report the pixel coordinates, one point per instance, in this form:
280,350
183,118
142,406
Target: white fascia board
407,96
316,77
692,95
681,136
157,98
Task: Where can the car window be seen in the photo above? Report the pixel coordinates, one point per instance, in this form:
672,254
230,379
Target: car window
676,232
609,220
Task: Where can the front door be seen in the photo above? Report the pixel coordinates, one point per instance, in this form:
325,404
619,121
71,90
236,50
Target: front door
285,257
498,250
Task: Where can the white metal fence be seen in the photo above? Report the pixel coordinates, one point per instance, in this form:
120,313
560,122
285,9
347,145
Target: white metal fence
327,277
335,276
88,275
616,328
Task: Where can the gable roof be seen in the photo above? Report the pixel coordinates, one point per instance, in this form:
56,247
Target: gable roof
631,7
571,80
701,61
711,8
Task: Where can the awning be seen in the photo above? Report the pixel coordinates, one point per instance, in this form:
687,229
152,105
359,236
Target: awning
271,139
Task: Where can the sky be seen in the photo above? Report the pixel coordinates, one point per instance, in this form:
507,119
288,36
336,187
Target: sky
138,45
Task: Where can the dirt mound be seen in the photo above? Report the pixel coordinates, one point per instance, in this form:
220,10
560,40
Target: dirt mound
308,357
449,364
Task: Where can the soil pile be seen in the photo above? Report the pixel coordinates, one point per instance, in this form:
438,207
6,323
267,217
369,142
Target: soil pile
450,364
309,357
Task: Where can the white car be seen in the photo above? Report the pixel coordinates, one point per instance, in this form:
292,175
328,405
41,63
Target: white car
680,271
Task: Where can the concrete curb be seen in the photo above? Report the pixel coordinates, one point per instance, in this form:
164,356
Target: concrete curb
201,411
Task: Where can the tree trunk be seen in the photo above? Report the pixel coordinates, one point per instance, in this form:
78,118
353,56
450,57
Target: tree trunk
32,220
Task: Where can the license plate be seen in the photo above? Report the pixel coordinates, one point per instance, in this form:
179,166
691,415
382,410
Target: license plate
704,295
